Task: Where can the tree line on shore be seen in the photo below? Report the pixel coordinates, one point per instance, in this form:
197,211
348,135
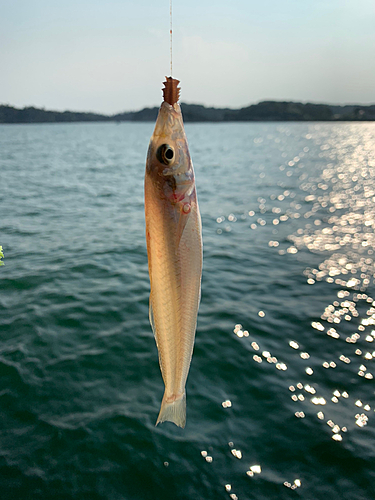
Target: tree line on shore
263,111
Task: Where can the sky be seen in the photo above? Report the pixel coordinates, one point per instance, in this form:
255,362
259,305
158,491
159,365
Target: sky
110,56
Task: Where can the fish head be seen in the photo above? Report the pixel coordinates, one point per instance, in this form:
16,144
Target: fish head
169,165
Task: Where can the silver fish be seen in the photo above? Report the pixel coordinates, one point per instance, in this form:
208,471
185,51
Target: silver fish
174,248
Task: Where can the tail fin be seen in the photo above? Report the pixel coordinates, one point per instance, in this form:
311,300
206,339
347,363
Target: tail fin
173,411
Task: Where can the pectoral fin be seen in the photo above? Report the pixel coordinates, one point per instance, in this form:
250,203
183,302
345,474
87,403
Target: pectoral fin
181,223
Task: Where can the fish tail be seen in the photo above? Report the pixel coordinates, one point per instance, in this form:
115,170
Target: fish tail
173,410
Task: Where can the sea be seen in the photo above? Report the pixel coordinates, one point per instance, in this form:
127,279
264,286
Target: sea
280,394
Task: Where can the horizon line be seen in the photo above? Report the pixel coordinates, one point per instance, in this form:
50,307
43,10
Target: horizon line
106,114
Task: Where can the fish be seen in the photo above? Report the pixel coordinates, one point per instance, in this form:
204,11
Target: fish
174,250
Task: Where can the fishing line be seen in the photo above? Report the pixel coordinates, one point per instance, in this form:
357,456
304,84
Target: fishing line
170,30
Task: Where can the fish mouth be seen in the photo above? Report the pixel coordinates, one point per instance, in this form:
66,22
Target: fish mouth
171,93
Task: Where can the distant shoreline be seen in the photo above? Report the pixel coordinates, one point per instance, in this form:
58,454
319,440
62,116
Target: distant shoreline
263,111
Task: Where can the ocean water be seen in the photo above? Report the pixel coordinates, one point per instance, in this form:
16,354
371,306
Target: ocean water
280,395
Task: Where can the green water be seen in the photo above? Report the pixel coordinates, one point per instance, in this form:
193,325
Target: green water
288,214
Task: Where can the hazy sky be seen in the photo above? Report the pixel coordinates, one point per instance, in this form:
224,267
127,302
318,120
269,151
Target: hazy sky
112,55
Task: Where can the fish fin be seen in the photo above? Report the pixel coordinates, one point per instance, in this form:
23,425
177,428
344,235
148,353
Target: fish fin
174,411
182,220
152,323
151,317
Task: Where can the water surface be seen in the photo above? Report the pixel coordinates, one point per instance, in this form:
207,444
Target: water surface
280,394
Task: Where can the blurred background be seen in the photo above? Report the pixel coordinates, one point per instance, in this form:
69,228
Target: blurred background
112,56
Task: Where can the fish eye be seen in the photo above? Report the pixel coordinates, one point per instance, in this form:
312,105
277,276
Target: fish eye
165,154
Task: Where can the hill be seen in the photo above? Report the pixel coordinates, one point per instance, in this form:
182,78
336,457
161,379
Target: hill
263,111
